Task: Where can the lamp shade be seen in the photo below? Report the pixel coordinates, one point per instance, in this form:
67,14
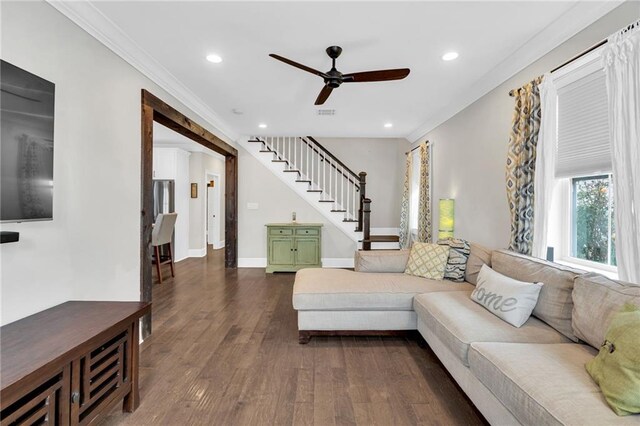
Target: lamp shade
446,214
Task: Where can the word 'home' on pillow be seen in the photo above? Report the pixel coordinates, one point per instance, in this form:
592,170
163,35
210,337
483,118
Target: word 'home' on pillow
508,299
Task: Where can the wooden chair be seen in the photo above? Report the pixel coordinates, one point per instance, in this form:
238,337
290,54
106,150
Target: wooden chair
161,235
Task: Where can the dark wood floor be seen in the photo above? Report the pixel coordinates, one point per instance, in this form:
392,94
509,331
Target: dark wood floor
224,351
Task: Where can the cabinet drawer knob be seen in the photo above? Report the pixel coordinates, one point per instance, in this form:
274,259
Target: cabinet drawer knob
75,397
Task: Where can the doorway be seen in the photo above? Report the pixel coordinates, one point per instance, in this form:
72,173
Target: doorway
154,109
214,214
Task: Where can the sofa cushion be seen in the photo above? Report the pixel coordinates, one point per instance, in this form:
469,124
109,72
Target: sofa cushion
381,260
427,260
595,300
458,321
478,255
543,384
340,289
554,304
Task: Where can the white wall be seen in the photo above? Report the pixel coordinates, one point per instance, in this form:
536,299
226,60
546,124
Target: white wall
275,202
91,249
383,160
470,149
182,202
199,165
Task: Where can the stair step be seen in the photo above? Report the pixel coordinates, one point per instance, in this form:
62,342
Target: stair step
279,161
339,211
265,150
383,239
314,190
303,180
255,140
326,201
291,171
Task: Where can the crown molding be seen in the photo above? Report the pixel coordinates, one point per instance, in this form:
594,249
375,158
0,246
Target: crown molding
90,19
580,16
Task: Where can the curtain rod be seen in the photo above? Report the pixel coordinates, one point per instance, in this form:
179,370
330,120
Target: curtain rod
589,50
413,149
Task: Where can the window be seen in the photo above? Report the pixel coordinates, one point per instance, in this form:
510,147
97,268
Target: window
582,230
592,222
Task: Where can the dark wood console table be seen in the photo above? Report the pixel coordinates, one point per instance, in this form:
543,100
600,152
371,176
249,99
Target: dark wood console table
70,364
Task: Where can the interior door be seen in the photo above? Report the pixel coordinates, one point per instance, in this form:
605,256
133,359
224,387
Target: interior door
213,214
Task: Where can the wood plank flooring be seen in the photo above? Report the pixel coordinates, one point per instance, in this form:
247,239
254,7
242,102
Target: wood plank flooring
224,351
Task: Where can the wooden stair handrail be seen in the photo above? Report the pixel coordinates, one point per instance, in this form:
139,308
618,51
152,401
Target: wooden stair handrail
333,157
324,153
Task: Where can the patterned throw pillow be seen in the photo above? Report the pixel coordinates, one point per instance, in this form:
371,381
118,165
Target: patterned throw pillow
458,254
427,260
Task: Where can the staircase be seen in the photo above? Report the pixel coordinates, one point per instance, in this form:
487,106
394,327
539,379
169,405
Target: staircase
325,182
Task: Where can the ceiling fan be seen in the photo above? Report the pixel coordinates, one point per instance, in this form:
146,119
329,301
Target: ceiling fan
334,78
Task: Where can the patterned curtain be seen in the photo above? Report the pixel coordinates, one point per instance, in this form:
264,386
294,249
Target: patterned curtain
424,199
406,206
521,163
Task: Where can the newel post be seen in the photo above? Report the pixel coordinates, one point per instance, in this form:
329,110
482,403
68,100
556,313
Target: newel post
366,222
363,194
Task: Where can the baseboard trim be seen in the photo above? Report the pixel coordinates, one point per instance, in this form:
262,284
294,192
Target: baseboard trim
197,252
218,245
327,262
252,262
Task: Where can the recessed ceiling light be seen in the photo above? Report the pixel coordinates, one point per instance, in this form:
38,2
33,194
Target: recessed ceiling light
449,56
216,59
388,125
262,126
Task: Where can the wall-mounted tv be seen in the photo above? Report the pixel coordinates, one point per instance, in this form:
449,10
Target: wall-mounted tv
26,145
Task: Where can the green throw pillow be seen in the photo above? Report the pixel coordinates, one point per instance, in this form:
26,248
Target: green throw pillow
616,369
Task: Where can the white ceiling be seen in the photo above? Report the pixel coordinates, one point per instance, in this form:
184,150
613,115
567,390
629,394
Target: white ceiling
493,38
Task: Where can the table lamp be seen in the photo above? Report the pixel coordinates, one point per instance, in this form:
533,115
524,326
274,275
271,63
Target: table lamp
445,227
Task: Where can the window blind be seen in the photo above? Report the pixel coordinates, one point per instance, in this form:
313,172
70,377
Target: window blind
583,123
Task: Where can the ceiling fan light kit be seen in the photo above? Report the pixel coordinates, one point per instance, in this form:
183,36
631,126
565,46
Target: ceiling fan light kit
334,78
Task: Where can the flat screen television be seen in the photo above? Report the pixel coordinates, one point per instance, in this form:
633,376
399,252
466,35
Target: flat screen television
26,145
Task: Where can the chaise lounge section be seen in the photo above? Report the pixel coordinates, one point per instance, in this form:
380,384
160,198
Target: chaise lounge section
534,374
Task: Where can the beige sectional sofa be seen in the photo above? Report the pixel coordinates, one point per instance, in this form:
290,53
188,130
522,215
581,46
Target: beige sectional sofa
532,375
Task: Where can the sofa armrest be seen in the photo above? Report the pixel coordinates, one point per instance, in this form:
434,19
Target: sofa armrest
381,260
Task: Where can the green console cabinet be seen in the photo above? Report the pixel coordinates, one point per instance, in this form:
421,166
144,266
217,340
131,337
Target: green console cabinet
293,246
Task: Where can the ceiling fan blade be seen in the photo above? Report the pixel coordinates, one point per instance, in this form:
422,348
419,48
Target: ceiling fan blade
297,65
381,75
324,94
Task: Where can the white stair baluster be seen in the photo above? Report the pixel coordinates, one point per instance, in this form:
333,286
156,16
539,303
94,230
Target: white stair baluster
342,198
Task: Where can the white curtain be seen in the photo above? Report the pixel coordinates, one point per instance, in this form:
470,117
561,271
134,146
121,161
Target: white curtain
622,65
544,180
